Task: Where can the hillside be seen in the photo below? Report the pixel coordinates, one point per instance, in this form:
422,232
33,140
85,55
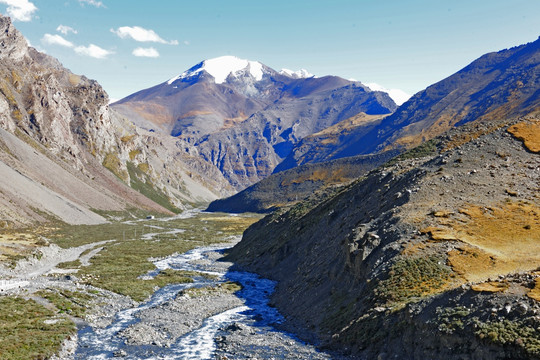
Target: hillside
288,187
433,255
325,144
497,85
245,117
65,155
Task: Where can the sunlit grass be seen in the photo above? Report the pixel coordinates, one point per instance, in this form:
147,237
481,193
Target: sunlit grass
30,331
119,265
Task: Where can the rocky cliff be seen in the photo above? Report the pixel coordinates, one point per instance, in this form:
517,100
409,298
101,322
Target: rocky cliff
431,256
60,141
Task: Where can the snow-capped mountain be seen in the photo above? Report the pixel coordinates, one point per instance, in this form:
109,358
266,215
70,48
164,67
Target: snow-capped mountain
300,74
244,116
221,68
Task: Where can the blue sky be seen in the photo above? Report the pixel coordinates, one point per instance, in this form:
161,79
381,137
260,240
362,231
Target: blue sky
398,44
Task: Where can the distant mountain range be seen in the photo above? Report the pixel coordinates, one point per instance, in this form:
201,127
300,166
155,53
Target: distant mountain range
245,117
498,85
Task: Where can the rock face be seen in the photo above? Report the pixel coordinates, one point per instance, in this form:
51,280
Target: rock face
245,117
60,139
404,263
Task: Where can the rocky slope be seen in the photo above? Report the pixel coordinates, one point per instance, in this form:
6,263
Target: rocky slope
64,154
497,85
245,117
433,255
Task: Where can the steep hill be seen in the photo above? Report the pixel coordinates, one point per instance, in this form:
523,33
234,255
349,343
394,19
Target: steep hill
245,117
64,154
432,256
497,85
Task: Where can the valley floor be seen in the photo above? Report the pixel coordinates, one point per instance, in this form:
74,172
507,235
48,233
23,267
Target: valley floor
130,289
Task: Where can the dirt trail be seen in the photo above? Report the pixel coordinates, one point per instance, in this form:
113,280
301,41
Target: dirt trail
29,271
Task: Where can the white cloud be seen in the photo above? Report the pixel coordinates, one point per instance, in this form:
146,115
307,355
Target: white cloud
95,3
186,42
146,52
21,10
93,51
140,34
65,29
56,40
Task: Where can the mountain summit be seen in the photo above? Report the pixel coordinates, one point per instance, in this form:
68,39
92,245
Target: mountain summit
222,67
245,117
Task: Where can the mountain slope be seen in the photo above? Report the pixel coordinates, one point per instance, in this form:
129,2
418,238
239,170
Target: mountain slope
330,143
249,152
428,257
245,117
65,154
286,188
501,84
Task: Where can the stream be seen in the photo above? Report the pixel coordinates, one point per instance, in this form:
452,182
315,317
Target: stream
171,325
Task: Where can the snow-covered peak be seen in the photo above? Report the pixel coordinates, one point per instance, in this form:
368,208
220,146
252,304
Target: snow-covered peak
221,67
399,96
300,74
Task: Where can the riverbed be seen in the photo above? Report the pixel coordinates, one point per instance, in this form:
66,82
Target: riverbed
176,323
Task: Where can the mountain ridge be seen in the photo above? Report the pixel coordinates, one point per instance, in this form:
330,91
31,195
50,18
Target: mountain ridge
498,84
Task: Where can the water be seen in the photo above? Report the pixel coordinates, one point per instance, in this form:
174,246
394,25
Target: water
200,343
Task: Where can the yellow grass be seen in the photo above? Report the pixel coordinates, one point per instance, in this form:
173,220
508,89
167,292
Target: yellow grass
491,286
348,124
158,114
535,292
529,133
14,244
325,175
232,223
193,113
74,79
496,240
230,122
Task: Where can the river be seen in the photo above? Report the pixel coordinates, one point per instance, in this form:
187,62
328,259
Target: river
172,325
